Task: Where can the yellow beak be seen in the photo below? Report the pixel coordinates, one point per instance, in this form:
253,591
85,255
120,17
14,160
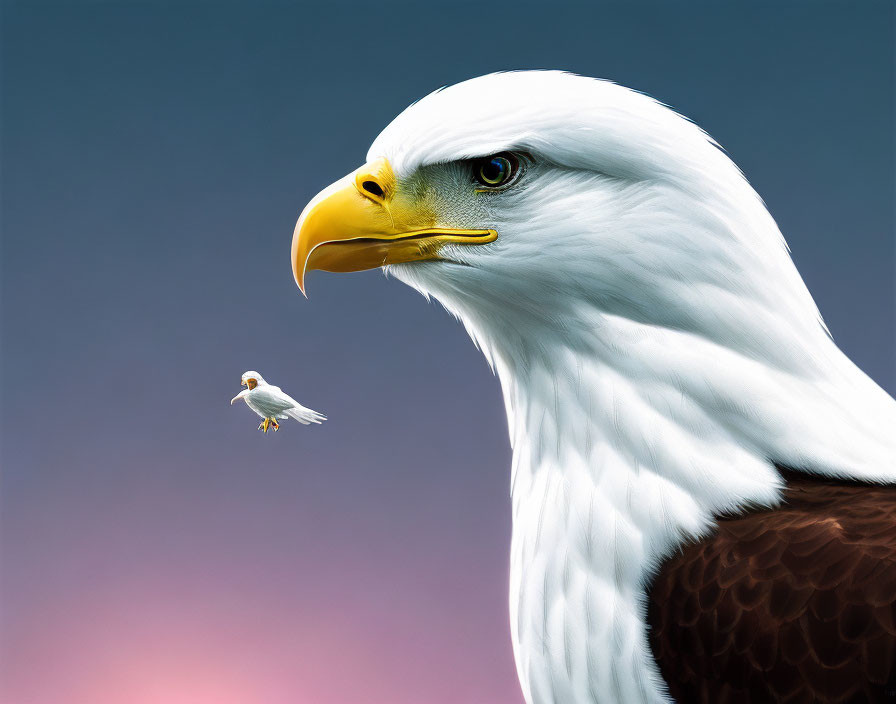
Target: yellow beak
362,222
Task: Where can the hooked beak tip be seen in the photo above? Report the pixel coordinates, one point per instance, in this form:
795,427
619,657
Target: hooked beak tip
300,282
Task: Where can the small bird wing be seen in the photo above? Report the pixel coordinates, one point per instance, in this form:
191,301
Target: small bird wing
305,415
271,401
251,404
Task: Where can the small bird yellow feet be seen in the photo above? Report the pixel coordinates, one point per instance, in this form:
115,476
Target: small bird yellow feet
268,423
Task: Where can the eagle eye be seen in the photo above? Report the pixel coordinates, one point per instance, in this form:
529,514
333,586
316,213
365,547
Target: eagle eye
496,171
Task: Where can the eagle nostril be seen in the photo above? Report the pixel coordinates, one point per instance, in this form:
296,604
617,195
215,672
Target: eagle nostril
373,188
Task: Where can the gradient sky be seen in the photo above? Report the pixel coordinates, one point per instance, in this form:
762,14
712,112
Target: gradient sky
155,547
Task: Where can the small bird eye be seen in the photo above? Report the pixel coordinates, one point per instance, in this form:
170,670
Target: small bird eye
495,171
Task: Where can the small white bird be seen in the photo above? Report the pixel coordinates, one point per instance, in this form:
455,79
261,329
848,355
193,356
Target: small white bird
270,403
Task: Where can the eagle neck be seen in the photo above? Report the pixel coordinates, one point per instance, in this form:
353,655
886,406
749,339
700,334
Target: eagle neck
609,477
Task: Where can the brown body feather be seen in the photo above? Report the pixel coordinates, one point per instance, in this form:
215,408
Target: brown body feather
795,604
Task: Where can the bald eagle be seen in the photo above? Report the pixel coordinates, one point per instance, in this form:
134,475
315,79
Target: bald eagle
702,483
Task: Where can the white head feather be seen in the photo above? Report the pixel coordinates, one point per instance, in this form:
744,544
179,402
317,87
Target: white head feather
253,375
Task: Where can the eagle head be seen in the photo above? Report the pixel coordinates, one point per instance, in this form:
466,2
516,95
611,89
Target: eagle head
515,198
572,223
